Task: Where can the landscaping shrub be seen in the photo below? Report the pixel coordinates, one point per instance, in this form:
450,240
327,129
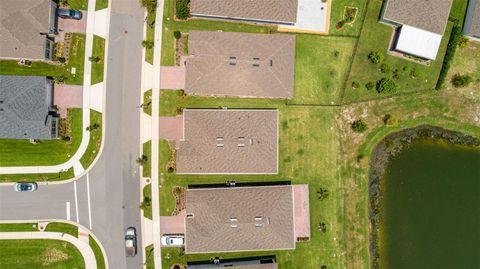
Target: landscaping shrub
451,48
459,81
385,68
182,9
376,57
148,44
359,126
340,24
390,120
350,14
355,84
177,34
370,85
149,5
386,85
415,73
463,42
396,74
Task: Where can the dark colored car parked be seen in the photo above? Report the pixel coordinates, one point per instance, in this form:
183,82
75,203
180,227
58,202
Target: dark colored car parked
69,14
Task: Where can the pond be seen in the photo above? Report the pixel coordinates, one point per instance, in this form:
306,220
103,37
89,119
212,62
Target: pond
430,207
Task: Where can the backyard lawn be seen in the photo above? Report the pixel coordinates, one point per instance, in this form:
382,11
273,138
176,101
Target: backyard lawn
46,152
338,14
95,141
75,60
39,253
408,75
303,159
97,66
321,66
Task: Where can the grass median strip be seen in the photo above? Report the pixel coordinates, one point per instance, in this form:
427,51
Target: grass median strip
61,227
150,36
95,141
101,4
98,252
39,253
147,102
147,201
98,59
63,175
147,165
18,227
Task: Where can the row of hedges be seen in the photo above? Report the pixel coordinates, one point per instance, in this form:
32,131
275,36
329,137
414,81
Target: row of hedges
451,48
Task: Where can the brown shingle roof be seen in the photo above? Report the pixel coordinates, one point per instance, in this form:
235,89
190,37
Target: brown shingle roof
240,64
21,23
222,141
429,15
261,10
239,219
472,20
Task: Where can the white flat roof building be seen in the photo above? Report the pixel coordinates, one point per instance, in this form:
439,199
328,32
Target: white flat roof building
418,42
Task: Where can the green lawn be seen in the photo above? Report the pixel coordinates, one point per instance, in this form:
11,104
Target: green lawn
78,4
466,61
170,25
147,167
37,177
321,68
61,227
98,51
95,141
39,253
150,264
98,252
101,4
150,36
76,59
20,152
376,37
18,227
147,210
147,102
303,159
337,14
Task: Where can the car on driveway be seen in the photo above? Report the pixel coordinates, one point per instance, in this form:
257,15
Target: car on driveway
69,14
25,186
130,242
173,240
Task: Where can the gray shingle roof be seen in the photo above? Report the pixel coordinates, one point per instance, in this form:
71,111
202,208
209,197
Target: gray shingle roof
219,141
239,219
261,10
429,15
472,19
24,105
240,64
21,22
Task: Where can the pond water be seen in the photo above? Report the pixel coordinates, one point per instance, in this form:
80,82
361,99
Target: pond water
430,215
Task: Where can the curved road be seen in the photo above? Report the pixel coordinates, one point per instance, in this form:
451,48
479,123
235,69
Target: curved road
107,198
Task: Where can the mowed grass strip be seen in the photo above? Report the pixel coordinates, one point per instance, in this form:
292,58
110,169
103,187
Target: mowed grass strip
61,227
147,208
37,177
150,36
95,141
308,150
321,66
147,166
18,227
98,67
147,102
376,36
39,253
101,4
97,252
20,152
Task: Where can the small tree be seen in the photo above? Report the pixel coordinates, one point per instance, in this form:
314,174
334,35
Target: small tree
460,81
355,84
463,42
390,120
370,85
322,193
376,57
177,34
340,24
322,227
359,126
385,68
147,201
387,85
142,160
148,44
182,9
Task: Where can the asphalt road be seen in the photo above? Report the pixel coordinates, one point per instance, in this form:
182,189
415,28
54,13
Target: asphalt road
113,183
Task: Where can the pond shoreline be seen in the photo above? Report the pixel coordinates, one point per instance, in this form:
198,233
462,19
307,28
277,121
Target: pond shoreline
383,152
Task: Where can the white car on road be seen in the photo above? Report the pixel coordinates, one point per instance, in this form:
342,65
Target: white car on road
173,240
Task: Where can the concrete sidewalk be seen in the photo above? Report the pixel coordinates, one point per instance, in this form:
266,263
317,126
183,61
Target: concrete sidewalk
84,248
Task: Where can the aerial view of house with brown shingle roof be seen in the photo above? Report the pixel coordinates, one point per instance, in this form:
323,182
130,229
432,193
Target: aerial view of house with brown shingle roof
420,23
228,141
471,28
264,11
239,219
26,29
240,64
